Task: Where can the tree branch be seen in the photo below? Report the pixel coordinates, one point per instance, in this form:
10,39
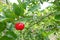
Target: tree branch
40,19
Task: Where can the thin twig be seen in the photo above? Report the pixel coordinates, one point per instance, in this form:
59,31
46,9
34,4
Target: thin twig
40,19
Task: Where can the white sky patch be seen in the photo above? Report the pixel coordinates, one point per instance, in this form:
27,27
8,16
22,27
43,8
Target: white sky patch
51,0
45,5
14,1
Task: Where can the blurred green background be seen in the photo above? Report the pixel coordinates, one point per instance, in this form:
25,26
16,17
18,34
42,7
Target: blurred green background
41,19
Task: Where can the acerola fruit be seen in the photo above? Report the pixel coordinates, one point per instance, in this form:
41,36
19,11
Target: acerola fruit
19,26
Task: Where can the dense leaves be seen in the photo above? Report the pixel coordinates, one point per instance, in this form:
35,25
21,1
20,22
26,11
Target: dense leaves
19,9
57,17
16,9
6,38
39,24
2,26
11,34
9,14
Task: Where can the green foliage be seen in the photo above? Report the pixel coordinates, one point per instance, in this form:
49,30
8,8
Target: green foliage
9,14
19,9
6,38
34,8
39,24
2,26
57,17
11,34
16,9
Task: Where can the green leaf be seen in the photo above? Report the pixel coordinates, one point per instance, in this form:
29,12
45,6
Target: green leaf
34,8
7,20
17,10
9,14
2,26
6,38
57,13
19,1
11,33
23,5
57,17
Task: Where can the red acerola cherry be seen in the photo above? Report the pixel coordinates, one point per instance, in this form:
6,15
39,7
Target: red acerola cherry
19,26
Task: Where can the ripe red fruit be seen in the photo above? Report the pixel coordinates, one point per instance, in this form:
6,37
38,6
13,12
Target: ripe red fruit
19,26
